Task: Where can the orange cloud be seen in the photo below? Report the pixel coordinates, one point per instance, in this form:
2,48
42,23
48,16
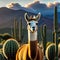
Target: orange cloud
11,5
55,3
49,4
29,4
52,4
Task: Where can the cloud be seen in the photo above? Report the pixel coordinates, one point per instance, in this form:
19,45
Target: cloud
14,6
49,4
34,2
52,4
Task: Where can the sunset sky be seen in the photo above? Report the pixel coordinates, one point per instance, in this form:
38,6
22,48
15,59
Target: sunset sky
3,3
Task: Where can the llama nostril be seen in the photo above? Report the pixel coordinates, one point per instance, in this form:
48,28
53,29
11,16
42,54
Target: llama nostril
33,28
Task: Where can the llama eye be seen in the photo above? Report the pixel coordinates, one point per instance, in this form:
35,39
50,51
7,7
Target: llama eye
36,23
29,23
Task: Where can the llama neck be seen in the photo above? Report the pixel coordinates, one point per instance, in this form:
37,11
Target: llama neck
32,36
32,41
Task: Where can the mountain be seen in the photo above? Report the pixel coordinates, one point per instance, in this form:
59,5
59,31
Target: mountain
16,6
15,11
45,9
7,17
36,5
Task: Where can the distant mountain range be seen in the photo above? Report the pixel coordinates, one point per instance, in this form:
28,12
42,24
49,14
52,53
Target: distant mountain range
8,14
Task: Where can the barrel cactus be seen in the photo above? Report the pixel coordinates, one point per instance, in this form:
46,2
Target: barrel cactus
50,52
10,48
2,57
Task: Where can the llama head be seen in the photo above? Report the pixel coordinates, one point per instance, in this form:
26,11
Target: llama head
32,22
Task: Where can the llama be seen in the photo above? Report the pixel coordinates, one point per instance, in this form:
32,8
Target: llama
30,51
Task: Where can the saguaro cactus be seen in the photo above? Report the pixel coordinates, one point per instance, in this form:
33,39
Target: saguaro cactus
43,30
20,30
10,48
55,31
44,38
15,27
55,19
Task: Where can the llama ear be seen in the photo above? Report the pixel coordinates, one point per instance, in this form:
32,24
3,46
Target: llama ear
38,16
26,17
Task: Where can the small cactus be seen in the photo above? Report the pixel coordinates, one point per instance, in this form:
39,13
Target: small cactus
50,52
10,48
56,30
44,37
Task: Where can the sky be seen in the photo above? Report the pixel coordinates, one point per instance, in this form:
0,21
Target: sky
3,3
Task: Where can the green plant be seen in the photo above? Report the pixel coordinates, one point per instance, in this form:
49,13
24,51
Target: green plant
15,27
20,30
10,48
44,37
56,30
50,52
